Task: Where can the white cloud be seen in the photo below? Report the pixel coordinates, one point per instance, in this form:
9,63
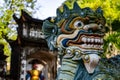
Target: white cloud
1,3
47,8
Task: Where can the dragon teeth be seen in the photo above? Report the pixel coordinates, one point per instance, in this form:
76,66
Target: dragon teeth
92,40
84,39
92,46
101,40
88,40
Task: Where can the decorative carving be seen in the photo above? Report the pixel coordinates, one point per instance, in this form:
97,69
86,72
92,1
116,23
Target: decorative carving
29,29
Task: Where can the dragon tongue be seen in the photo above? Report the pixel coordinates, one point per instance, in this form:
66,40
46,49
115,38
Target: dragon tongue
91,65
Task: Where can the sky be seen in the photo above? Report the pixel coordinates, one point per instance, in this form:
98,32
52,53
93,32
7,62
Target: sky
47,8
44,8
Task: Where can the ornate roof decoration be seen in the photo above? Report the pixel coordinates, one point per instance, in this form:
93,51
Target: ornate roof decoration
29,29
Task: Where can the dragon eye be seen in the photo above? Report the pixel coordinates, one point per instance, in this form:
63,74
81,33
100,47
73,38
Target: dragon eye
100,26
78,24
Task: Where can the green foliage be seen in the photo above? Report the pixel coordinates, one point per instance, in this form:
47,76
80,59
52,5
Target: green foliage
111,8
113,38
116,25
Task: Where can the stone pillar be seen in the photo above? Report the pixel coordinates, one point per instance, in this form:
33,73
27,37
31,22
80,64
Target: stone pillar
23,65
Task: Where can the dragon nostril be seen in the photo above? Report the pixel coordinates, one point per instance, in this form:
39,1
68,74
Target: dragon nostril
90,30
93,28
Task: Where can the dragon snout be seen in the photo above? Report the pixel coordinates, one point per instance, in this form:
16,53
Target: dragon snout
92,27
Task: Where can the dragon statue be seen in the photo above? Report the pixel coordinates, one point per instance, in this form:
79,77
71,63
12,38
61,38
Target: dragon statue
77,34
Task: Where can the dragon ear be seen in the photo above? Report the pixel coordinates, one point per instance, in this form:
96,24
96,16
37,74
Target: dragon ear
66,11
65,8
77,9
59,13
76,6
50,31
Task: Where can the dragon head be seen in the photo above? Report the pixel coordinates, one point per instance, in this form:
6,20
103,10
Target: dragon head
77,33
